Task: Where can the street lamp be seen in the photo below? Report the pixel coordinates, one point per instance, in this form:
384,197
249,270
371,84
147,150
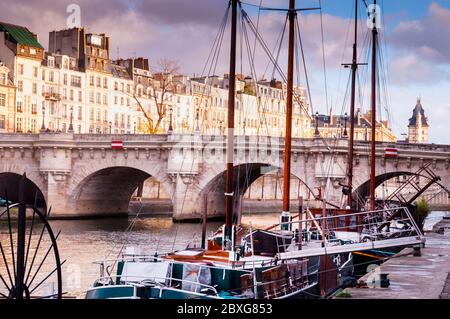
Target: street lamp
317,133
170,131
43,118
110,127
71,120
345,121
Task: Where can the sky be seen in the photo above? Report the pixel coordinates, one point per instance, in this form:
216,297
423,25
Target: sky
415,51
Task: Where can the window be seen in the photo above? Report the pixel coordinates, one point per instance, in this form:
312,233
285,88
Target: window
116,86
52,76
91,114
116,119
33,125
105,116
121,100
3,78
122,87
2,99
99,100
43,75
19,125
35,71
75,81
128,88
128,121
33,108
20,86
20,67
105,83
2,122
19,107
52,108
80,113
71,95
115,100
64,111
65,79
91,80
128,101
34,88
99,82
99,116
91,97
80,96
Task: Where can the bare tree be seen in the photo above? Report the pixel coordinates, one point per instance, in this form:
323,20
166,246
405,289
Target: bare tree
163,86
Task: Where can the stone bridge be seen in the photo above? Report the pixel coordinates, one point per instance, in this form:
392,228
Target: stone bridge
84,176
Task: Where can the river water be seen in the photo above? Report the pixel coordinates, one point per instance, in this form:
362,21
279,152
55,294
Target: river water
83,242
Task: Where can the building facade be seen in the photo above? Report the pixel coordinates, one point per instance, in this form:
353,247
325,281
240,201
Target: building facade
22,54
418,126
7,101
338,126
76,85
63,89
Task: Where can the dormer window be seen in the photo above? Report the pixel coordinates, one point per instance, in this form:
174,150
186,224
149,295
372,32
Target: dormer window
51,62
32,51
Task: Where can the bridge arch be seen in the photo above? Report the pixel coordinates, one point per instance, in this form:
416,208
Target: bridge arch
9,188
107,191
212,186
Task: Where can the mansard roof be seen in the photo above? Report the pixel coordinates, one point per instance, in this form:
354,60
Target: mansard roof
20,35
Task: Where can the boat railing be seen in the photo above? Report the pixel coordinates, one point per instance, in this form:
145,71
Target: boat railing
373,228
111,280
105,264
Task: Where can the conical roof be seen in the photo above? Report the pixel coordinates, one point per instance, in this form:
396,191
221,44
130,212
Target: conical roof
418,110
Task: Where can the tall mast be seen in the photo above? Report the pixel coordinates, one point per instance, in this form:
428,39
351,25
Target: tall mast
289,99
374,107
352,110
230,134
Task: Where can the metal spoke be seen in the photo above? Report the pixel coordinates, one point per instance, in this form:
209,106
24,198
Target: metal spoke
10,235
42,262
4,296
4,282
6,264
35,252
46,277
29,236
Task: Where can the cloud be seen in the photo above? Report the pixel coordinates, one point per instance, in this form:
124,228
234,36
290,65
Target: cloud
412,69
425,37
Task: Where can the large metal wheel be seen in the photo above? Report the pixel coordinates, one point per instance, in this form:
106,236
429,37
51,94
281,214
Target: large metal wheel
30,265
